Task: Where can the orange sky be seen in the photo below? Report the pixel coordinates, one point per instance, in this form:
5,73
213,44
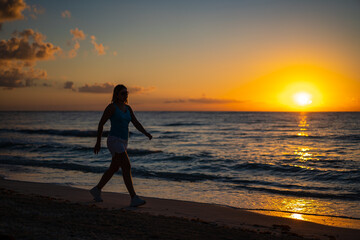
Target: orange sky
187,56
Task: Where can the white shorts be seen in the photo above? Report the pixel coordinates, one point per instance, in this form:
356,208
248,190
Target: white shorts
116,145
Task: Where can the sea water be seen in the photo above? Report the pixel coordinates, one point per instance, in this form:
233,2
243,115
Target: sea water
301,163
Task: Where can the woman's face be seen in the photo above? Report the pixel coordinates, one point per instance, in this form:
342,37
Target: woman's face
123,95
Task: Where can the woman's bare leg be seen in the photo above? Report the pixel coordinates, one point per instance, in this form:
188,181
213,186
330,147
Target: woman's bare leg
114,167
126,172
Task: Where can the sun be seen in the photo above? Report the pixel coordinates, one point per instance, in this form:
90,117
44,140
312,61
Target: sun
302,98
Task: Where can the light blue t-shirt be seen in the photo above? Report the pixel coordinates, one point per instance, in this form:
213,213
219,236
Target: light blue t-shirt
120,123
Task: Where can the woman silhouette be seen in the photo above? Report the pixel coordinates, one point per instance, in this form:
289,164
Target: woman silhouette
120,114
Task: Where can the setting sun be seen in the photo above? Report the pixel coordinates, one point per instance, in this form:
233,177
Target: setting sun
302,98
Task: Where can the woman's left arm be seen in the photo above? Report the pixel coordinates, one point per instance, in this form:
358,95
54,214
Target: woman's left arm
138,125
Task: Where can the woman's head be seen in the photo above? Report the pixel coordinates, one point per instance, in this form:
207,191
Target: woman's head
120,94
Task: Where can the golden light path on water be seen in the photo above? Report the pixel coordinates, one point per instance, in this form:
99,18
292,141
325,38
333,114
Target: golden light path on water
306,209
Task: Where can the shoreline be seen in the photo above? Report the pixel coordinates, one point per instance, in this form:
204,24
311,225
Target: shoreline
211,214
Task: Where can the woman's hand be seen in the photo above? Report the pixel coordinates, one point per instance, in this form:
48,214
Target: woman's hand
148,135
97,148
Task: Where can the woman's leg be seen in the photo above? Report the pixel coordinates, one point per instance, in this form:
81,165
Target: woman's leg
114,167
126,171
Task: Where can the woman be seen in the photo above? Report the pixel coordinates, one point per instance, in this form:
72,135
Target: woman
120,114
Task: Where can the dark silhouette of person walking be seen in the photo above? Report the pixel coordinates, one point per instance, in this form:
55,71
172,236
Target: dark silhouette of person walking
120,115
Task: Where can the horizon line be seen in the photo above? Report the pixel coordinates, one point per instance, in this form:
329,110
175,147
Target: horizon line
185,111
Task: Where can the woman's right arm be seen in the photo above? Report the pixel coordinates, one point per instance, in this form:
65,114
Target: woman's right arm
108,112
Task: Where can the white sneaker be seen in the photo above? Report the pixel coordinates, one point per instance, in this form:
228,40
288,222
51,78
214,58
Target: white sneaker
136,201
96,193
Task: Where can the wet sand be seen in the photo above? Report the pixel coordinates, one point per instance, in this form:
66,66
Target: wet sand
47,211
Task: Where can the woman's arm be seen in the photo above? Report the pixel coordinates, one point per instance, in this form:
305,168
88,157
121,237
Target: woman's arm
108,112
138,125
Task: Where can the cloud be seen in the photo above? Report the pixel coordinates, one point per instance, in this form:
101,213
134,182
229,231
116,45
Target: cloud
19,74
36,10
19,55
109,87
66,14
176,101
27,45
212,100
99,48
11,10
97,88
69,85
73,52
204,100
140,90
77,34
80,35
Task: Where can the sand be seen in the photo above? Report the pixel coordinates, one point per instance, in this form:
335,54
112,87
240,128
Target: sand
48,211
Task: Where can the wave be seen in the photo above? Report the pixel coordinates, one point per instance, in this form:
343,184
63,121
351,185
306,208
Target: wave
310,194
46,147
175,135
304,173
178,124
178,159
53,164
349,137
255,185
244,182
142,152
10,144
130,151
175,176
141,172
304,136
68,133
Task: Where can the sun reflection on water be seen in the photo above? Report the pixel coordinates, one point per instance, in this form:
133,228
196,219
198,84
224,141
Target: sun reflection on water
297,216
303,124
303,153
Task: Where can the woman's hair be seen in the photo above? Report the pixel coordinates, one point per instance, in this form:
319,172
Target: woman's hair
117,89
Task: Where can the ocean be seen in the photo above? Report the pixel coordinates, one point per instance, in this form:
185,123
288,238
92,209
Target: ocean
301,163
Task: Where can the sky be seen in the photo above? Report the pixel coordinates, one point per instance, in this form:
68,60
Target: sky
250,55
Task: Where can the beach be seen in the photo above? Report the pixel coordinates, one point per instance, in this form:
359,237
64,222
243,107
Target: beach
49,211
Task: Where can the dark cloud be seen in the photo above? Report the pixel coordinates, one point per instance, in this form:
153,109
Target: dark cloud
19,75
11,10
176,101
212,100
19,55
27,45
109,87
69,85
204,100
97,88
